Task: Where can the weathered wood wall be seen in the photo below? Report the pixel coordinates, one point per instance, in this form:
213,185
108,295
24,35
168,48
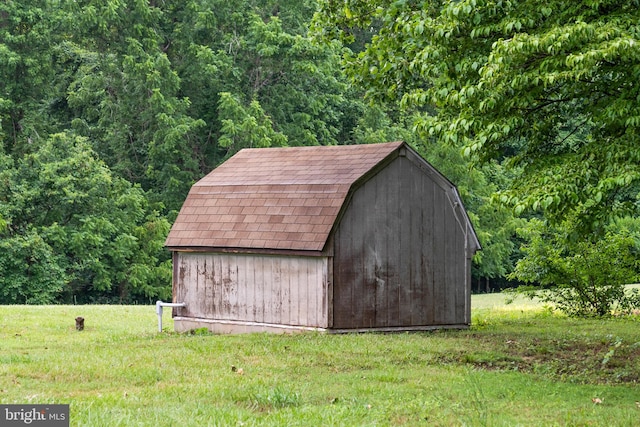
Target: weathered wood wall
399,253
284,290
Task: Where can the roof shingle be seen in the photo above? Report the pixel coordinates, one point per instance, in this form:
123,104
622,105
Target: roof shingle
273,198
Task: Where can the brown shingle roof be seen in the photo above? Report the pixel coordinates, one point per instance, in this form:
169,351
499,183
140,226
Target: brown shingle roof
273,198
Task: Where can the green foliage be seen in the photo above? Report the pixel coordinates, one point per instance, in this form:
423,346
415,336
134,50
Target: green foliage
259,52
245,127
298,82
107,241
143,82
375,125
26,70
126,102
549,85
30,271
111,110
581,278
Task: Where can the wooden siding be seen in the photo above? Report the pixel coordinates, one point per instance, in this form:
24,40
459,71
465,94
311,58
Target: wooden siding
253,288
400,255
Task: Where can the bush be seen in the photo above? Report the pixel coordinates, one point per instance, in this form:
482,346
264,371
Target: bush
581,278
29,271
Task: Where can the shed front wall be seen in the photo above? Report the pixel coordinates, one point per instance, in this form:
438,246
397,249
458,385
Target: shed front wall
251,289
400,257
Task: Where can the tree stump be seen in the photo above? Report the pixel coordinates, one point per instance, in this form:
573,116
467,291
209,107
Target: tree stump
80,323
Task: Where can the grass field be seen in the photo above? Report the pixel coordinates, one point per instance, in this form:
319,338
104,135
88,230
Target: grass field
518,364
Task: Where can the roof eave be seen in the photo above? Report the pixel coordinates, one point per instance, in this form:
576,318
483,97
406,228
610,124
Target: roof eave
248,251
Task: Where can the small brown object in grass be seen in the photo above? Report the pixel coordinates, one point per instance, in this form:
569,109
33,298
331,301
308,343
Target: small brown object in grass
80,323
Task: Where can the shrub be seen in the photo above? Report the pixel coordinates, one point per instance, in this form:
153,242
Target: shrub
581,278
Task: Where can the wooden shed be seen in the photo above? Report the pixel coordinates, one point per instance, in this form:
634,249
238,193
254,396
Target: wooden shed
339,238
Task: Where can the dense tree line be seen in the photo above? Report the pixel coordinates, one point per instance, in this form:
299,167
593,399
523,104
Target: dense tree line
110,110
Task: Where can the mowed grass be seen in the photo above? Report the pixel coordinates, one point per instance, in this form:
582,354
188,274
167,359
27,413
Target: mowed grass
518,364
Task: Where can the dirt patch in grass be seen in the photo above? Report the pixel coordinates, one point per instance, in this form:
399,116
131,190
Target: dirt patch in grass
610,361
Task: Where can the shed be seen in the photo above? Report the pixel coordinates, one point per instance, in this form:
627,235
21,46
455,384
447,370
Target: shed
331,238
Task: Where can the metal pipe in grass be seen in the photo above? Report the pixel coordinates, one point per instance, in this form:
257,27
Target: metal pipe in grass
160,305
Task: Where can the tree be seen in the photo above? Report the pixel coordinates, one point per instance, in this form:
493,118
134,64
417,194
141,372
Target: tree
245,127
74,230
123,94
29,271
144,81
259,51
548,85
110,110
26,71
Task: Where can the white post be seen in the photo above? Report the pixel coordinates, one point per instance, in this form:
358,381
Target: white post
159,305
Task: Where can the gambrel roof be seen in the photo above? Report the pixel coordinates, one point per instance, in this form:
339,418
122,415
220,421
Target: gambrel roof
275,198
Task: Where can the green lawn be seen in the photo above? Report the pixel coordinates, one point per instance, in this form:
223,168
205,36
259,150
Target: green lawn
517,365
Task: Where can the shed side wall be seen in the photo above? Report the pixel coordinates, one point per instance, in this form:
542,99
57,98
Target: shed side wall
400,255
253,288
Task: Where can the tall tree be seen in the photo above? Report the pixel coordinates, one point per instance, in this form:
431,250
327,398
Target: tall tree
148,79
124,96
73,229
259,51
26,70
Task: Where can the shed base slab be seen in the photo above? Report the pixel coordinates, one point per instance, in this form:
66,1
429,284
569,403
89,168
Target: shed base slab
217,326
184,324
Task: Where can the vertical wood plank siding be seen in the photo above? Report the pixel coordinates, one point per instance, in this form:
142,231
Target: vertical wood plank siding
400,257
253,288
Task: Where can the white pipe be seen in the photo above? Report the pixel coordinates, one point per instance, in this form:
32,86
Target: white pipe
160,304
